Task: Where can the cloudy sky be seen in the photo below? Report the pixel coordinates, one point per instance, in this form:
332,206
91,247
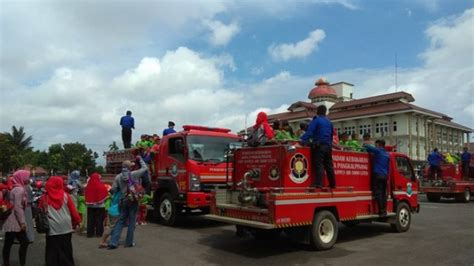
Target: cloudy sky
70,69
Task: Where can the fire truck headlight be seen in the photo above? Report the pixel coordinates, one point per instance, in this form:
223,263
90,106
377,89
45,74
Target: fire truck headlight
194,182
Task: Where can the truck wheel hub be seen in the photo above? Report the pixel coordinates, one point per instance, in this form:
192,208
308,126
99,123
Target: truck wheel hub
404,217
165,209
326,231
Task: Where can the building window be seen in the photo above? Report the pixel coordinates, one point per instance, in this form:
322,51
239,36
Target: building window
350,95
394,126
350,130
377,128
364,129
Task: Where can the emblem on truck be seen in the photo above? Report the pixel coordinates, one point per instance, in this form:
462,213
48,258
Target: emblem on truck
274,173
174,170
298,168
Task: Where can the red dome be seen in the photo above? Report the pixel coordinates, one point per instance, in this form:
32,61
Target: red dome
322,89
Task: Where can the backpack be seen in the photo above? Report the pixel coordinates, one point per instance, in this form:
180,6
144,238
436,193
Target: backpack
41,218
135,191
257,137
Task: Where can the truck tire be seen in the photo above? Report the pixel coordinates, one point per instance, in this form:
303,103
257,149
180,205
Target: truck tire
433,197
167,210
465,196
402,219
324,230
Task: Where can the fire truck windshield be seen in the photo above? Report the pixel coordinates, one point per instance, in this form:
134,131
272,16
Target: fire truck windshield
208,149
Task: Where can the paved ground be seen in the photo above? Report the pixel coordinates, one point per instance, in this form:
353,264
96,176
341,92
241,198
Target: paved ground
441,234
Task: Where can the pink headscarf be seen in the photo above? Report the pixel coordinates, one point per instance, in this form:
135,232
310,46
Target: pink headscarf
21,178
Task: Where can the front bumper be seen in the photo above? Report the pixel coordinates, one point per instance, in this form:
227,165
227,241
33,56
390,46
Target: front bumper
198,199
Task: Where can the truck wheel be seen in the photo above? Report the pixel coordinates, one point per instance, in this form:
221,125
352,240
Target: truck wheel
465,197
433,197
402,219
167,210
324,230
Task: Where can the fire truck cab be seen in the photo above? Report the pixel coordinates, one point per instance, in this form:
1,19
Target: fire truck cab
270,192
189,165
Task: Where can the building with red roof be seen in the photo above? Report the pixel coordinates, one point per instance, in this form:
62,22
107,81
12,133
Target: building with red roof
411,129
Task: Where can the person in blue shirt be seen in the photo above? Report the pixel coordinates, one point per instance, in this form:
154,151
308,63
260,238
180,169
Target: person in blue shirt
380,164
434,159
170,129
465,161
320,131
127,122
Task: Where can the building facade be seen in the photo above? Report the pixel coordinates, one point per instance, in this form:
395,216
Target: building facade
414,130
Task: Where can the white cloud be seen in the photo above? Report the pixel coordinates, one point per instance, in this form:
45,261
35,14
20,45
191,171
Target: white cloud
301,49
222,34
85,106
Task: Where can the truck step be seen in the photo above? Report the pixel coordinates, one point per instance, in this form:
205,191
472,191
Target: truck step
373,216
237,221
243,208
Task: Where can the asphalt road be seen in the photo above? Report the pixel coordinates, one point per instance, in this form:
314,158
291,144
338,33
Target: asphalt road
441,234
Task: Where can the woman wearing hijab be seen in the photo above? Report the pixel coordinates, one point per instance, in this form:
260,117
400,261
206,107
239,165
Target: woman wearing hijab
96,193
262,122
62,218
15,226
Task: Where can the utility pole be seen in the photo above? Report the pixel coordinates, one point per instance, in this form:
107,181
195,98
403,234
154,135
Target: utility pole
396,72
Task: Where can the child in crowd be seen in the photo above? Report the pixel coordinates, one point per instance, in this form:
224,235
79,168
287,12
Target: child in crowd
142,210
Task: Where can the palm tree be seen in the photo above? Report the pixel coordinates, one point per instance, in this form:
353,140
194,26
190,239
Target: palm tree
18,139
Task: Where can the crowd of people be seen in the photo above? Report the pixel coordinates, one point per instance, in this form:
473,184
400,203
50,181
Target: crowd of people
73,205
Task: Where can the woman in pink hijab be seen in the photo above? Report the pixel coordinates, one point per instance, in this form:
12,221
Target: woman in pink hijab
15,225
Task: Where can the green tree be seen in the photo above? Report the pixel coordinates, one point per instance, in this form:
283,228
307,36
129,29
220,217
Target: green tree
18,139
8,151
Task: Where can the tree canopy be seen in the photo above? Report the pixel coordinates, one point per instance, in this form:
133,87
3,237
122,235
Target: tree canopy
16,151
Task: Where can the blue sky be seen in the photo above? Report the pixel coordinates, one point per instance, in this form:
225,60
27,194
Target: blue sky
71,70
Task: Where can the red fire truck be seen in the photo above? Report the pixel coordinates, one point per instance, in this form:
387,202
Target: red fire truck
188,166
451,184
271,193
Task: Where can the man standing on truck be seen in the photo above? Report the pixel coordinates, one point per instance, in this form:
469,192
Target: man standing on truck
434,159
379,174
127,122
465,161
320,130
170,129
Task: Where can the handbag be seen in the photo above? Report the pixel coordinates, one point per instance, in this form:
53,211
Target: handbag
41,219
6,209
114,209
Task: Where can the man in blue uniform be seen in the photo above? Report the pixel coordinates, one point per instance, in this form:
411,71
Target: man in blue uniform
127,122
465,161
380,165
170,129
434,159
320,130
